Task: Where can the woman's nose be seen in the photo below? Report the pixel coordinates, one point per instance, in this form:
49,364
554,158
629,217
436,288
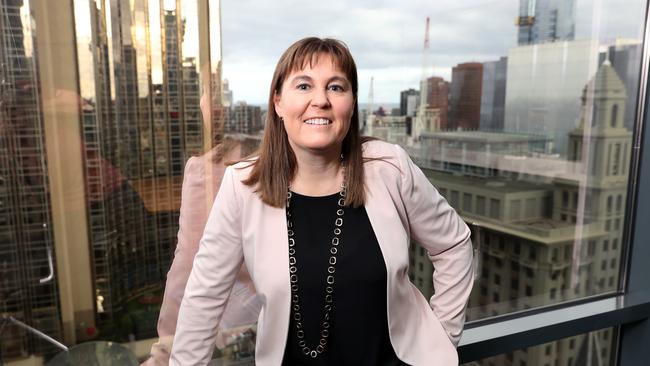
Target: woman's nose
320,99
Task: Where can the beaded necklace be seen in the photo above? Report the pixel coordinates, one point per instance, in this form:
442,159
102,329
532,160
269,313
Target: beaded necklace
331,270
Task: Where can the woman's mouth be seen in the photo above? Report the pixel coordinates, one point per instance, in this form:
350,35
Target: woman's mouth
318,121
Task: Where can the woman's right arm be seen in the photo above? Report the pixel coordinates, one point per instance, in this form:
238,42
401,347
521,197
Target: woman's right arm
214,271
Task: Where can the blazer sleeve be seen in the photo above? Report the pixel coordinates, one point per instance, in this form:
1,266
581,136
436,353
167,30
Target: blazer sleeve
213,274
436,226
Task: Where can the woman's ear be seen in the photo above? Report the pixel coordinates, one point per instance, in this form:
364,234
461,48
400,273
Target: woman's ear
277,104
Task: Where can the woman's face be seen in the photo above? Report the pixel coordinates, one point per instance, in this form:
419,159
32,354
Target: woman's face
316,104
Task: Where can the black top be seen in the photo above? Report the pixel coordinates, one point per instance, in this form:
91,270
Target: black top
358,333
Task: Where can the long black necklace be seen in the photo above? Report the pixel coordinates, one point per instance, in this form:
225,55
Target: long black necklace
331,270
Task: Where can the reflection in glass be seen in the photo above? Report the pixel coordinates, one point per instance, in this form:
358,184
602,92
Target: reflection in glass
138,95
25,206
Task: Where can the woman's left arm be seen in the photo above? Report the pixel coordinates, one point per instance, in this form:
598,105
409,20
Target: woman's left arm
436,226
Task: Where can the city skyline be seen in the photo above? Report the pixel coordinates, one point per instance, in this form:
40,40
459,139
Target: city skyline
394,54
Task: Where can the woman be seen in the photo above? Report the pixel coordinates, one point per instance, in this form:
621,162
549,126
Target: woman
323,221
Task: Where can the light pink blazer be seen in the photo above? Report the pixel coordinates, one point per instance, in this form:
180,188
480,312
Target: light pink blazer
402,206
201,180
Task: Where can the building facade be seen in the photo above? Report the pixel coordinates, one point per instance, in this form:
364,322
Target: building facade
465,96
409,101
244,119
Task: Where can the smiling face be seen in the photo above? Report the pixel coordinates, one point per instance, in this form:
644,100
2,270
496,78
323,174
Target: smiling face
316,104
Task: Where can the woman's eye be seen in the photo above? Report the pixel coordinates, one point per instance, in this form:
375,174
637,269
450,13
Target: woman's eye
302,86
336,88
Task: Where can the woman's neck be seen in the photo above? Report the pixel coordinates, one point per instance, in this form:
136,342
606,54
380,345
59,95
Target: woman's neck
317,175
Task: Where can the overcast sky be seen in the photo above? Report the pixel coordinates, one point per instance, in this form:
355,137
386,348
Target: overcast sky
386,37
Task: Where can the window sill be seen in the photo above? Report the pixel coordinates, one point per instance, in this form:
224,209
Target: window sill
492,339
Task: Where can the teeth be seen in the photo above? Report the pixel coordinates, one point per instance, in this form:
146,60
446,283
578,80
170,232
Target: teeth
318,121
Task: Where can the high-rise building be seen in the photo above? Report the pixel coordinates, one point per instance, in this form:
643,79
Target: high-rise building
27,292
244,119
465,96
408,102
542,21
543,87
493,95
226,93
116,88
438,98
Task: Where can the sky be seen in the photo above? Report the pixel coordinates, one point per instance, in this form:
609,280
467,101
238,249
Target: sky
386,37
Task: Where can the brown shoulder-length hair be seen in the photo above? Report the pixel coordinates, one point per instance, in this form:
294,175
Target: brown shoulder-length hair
276,163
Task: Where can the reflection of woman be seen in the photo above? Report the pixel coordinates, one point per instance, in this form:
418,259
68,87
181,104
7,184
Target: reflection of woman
323,219
201,181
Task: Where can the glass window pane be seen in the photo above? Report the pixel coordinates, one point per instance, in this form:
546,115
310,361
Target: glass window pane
595,348
526,129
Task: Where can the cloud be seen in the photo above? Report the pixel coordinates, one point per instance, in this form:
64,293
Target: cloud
386,37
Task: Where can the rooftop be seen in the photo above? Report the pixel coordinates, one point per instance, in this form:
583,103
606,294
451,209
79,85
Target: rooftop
485,136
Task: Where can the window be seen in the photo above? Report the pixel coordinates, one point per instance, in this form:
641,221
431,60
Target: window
467,202
495,209
560,357
455,202
616,159
480,205
609,204
514,284
529,291
514,266
515,209
501,138
575,200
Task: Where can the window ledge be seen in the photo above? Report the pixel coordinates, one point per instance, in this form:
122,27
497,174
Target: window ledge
488,340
